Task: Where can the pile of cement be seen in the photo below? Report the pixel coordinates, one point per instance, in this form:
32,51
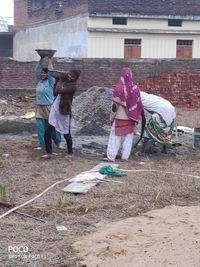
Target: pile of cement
91,111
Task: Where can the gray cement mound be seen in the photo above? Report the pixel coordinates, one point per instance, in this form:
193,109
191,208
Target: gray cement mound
91,111
92,128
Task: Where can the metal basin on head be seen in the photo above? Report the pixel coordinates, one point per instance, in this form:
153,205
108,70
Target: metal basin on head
45,52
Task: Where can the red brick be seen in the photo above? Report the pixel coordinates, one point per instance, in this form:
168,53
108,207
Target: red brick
181,87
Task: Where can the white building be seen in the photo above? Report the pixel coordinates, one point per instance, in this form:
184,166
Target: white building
111,29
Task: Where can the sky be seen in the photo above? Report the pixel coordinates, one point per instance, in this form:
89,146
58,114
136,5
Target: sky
7,10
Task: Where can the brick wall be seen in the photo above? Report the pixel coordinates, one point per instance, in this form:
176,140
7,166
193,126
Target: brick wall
175,80
20,13
48,13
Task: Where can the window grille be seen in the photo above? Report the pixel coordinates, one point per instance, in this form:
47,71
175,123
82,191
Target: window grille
119,21
175,22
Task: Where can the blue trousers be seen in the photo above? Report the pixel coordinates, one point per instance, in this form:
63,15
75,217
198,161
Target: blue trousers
40,125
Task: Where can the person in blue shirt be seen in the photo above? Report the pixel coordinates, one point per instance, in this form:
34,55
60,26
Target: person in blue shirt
44,99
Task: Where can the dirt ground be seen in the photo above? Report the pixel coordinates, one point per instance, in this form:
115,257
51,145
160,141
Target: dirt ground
102,218
164,237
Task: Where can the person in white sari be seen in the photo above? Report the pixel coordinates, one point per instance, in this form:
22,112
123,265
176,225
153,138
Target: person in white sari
160,116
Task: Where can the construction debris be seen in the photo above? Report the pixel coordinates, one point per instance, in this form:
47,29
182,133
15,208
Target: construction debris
83,182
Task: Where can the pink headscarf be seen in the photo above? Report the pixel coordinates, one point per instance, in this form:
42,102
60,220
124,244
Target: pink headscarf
127,94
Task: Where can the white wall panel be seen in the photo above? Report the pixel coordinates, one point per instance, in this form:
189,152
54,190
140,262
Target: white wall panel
105,45
68,37
158,46
196,47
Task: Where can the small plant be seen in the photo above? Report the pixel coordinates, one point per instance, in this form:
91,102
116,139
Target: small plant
2,193
60,201
2,149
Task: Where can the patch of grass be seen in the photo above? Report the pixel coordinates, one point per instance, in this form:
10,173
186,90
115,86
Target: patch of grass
3,196
60,201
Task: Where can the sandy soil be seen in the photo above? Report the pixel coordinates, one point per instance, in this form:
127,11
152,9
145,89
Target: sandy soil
165,237
118,208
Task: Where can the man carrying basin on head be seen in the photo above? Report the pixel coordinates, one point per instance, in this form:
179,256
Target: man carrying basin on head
44,99
60,117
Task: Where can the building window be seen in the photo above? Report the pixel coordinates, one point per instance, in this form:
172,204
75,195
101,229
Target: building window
119,21
175,22
184,42
132,41
184,48
132,48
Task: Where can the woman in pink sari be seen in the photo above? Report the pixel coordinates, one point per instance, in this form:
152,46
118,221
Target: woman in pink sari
126,108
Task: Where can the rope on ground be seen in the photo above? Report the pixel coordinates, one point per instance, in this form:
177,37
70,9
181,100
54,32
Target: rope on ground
59,182
32,199
174,173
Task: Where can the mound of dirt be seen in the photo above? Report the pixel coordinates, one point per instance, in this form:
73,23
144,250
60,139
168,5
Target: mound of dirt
92,128
93,107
